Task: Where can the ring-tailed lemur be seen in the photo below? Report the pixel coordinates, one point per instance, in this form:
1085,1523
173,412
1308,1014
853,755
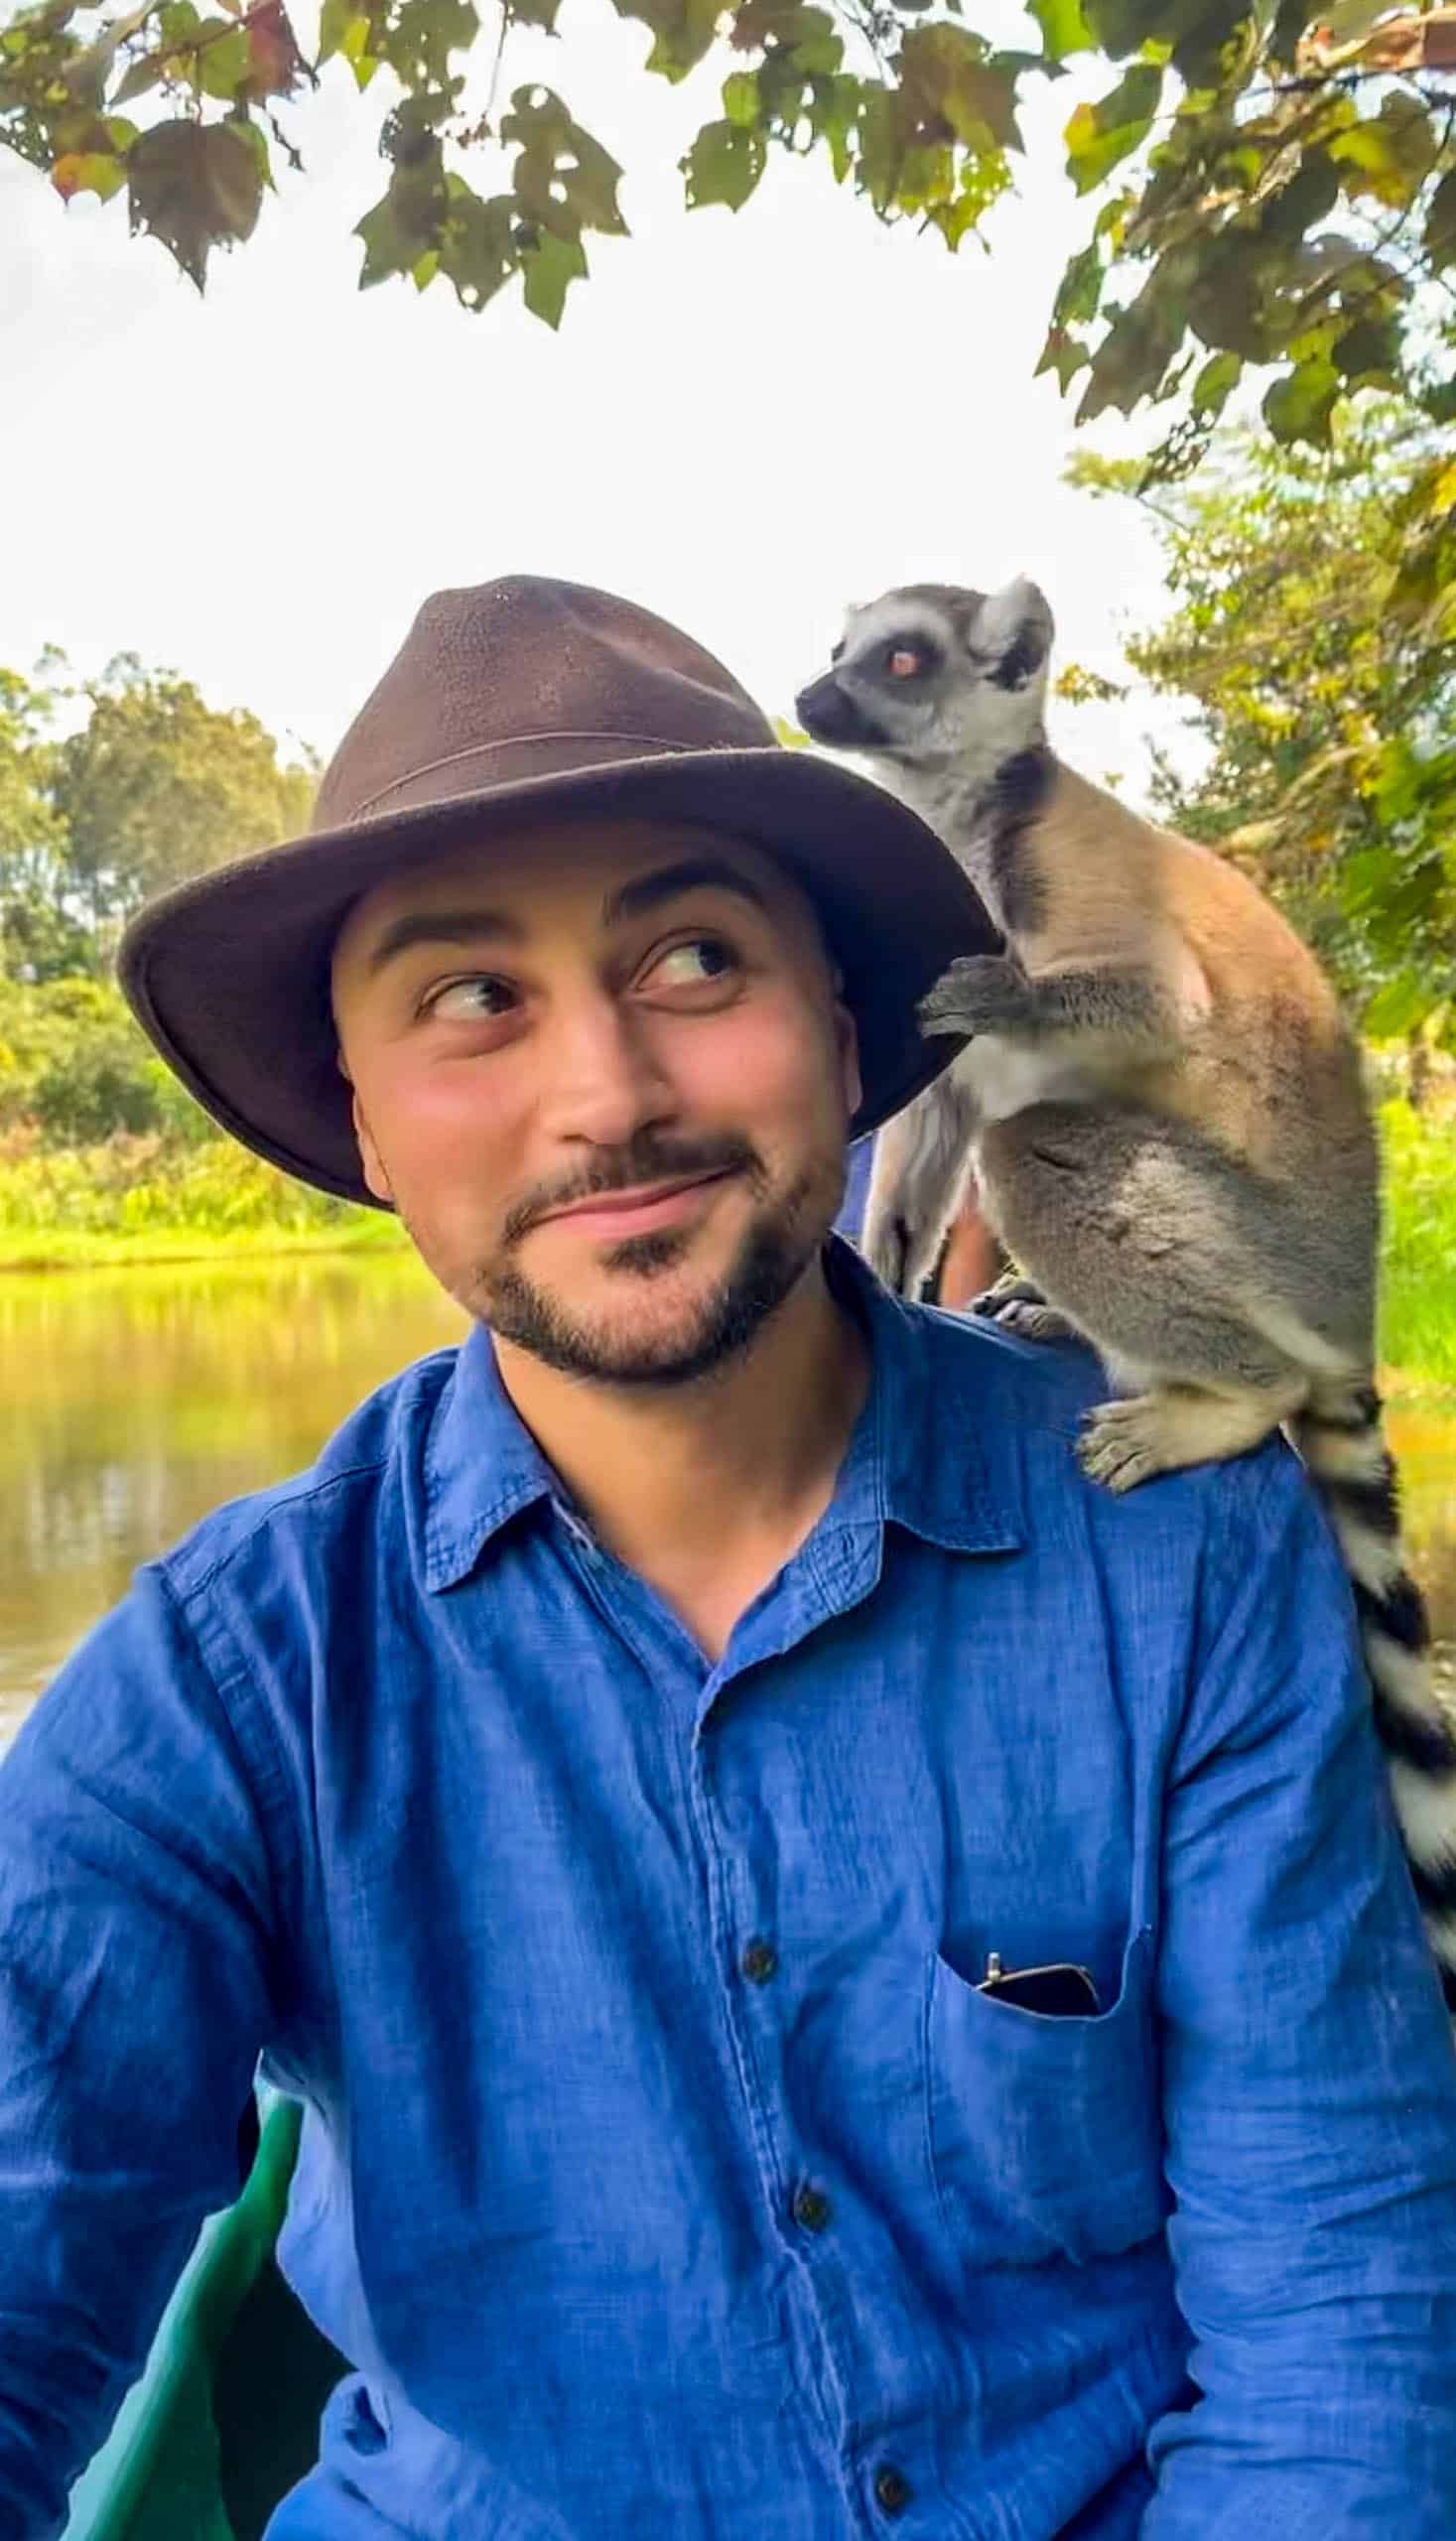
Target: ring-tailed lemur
1164,1114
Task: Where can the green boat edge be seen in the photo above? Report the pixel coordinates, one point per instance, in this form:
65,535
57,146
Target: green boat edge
224,2418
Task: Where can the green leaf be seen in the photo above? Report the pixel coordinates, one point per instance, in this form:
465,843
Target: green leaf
194,187
1098,136
335,20
563,179
741,102
411,217
1312,191
1064,354
1368,355
1299,407
93,172
1439,401
1064,29
723,164
536,13
945,75
477,251
683,31
1389,155
142,75
1079,289
1215,385
257,141
1397,1008
1135,351
983,183
835,116
222,60
547,270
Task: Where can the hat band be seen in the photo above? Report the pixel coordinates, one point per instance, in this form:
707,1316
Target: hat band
522,756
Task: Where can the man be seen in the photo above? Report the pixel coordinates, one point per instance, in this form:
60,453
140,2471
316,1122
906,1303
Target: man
841,1978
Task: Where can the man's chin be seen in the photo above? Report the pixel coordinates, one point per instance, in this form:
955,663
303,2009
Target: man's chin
639,1321
654,1309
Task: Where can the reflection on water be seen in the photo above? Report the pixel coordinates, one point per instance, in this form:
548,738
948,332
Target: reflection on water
135,1401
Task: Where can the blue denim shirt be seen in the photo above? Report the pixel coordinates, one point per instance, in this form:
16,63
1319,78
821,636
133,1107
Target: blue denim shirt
664,2172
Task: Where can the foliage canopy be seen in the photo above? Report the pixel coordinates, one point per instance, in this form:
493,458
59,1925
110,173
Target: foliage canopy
1325,709
1274,181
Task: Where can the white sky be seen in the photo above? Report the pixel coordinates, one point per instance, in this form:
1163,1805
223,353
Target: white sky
745,421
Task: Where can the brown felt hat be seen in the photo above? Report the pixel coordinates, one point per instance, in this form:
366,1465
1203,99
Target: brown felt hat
507,707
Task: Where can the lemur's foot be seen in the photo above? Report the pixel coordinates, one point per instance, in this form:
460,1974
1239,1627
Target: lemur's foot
1010,1290
1125,1443
1019,1306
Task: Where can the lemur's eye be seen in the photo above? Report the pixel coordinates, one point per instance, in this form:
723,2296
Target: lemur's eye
902,661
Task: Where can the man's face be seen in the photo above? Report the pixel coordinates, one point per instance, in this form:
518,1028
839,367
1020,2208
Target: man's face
605,1078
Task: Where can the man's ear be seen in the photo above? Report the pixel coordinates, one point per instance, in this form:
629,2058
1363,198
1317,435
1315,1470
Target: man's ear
371,1162
1012,629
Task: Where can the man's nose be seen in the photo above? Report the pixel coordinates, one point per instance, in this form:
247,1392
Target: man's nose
601,1078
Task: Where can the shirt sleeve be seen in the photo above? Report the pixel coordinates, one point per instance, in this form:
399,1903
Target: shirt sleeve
1310,2079
134,2002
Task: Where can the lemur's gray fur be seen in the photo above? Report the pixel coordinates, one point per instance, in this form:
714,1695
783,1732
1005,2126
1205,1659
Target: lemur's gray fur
1164,1115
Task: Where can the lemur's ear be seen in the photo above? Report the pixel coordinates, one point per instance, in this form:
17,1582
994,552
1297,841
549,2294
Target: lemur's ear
1013,630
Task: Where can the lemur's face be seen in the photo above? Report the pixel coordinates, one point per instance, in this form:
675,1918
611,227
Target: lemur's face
925,674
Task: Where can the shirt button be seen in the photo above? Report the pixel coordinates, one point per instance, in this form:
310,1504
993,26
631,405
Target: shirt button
811,2208
759,1961
892,2490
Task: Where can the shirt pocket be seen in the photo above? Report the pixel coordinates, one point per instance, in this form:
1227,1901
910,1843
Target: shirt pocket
1045,2134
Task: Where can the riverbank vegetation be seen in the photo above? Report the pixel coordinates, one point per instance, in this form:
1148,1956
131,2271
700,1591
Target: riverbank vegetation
154,1197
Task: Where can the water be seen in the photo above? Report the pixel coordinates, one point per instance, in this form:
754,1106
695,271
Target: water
135,1401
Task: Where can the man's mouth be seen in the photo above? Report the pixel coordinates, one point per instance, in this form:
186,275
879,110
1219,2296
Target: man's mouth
641,1206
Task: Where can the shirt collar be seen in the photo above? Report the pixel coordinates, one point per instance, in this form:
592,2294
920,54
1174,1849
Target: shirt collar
933,1449
936,1450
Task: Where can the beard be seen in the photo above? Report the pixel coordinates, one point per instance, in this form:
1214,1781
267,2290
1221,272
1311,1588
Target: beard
716,1326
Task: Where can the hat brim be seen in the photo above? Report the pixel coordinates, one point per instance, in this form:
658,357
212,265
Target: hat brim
228,974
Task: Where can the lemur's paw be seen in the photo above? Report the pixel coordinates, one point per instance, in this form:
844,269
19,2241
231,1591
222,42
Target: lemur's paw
1033,1322
1010,1290
1125,1443
981,992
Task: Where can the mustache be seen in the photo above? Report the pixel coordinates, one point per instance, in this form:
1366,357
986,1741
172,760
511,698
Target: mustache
645,1160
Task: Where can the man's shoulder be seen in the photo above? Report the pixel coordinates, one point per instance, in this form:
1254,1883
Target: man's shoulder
1040,1386
1035,1396
380,1441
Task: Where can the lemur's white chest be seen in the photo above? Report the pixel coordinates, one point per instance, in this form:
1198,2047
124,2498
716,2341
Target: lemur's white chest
1003,1076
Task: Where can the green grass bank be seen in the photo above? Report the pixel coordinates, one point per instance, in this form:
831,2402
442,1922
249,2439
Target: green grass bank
153,1199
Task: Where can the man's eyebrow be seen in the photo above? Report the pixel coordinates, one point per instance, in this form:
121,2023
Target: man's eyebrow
442,926
670,881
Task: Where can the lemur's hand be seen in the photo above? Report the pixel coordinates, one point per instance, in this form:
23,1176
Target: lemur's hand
982,992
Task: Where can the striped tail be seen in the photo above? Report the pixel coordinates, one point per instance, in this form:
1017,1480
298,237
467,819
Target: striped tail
1341,1440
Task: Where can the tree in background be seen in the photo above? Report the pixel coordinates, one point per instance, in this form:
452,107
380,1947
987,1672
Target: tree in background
147,786
157,786
110,792
1326,711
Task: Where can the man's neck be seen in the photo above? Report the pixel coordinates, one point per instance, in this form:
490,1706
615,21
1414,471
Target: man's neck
707,1489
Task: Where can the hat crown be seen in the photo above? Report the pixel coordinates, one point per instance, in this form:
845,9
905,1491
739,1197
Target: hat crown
519,675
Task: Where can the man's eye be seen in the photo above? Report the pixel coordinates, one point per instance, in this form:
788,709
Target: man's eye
687,965
476,1001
